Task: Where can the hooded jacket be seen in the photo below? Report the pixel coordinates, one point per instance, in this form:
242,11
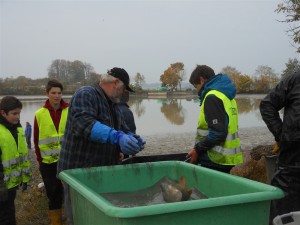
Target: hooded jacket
214,110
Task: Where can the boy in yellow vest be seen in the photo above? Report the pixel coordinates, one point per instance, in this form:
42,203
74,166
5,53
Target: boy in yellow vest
49,128
217,142
14,162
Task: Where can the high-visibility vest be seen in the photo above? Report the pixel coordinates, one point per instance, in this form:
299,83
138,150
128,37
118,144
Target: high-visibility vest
49,138
228,152
14,158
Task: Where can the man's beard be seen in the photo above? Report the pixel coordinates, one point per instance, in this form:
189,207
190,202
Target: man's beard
116,95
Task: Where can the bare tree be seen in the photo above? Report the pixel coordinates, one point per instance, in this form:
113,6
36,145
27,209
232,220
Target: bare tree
291,9
268,72
138,79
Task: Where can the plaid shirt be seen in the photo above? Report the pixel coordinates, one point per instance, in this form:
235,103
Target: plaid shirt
88,105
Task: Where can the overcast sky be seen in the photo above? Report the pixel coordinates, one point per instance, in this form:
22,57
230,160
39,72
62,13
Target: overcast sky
142,36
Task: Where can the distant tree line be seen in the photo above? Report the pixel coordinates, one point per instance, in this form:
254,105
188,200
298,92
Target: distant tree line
76,74
264,80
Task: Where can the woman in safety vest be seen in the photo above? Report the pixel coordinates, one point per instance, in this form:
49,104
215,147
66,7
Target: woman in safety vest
14,163
49,128
217,142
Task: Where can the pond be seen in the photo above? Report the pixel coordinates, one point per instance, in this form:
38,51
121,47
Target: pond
164,115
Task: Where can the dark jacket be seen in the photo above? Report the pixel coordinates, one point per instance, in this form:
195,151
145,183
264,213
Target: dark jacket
88,105
128,116
287,130
28,131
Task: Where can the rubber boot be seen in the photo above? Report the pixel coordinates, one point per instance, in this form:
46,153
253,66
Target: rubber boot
55,216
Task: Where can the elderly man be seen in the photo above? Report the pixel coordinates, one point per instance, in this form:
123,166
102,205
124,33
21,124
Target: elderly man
95,132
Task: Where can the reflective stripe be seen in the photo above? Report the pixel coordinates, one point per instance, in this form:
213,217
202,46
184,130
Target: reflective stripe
48,140
17,173
15,161
51,152
26,171
202,132
227,151
12,174
229,137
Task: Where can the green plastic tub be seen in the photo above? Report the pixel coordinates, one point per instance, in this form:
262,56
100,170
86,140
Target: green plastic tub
231,200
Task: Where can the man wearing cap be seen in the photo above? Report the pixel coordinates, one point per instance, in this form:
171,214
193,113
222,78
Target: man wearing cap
95,133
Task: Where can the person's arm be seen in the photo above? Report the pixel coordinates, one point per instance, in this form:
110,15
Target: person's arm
270,107
3,189
36,141
217,121
84,122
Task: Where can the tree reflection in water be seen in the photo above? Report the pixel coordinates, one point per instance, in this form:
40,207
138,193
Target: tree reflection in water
173,111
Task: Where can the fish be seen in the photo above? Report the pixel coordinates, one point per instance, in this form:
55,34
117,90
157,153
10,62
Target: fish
175,192
186,192
171,193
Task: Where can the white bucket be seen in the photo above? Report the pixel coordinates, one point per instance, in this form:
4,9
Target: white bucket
292,218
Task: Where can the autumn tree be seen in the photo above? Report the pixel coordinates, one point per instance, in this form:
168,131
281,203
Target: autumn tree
292,66
261,84
232,72
178,69
291,9
169,78
244,84
173,75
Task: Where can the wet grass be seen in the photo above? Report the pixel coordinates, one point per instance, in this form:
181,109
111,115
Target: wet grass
32,204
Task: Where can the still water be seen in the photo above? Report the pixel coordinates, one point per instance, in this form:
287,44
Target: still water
168,115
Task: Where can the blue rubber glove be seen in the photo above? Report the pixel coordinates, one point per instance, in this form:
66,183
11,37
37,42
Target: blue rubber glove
128,144
141,141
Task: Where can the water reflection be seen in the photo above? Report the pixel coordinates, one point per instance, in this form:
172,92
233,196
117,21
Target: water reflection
168,115
173,111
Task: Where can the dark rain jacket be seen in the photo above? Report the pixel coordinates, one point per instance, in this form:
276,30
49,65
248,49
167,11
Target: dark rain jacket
287,133
287,130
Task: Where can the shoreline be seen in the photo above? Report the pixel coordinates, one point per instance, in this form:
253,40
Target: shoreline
183,142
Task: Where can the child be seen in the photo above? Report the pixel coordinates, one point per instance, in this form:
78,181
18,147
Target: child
48,131
14,162
28,135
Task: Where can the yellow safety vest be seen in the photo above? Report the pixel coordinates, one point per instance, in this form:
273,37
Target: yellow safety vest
49,138
228,152
15,161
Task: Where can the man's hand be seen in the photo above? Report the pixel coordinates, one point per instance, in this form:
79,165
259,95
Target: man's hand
128,144
141,142
276,148
193,155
